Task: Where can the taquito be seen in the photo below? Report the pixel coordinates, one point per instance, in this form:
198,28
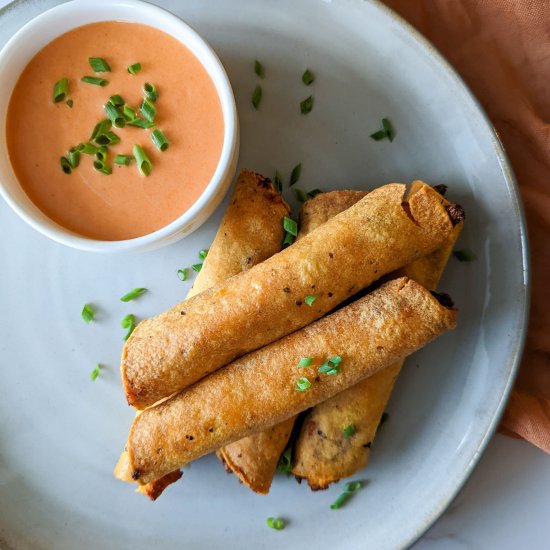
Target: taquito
324,452
268,386
379,234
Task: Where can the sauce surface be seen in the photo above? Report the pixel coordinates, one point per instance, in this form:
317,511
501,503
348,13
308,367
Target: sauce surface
125,204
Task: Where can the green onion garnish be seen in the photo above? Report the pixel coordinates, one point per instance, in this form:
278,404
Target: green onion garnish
95,373
305,361
159,140
100,128
123,160
103,167
150,91
306,105
87,313
107,138
350,489
378,136
133,294
116,100
87,148
276,523
96,81
99,65
148,109
290,226
310,299
313,193
183,274
134,68
278,182
300,195
142,160
203,253
464,255
349,430
331,367
140,123
308,77
74,157
114,115
257,96
101,154
69,103
289,239
302,384
295,174
285,462
60,90
128,322
259,69
196,267
336,360
65,165
388,128
128,112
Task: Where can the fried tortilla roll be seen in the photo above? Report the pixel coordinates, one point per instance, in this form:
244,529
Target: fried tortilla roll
377,235
251,231
268,386
323,453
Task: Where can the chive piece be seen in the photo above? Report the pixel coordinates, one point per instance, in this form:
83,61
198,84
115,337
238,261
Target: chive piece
87,313
142,160
259,69
305,361
101,154
183,274
95,373
133,294
128,112
160,141
290,226
96,81
295,174
289,239
103,167
150,91
140,123
107,138
378,136
148,109
306,105
257,96
302,384
300,195
99,65
134,68
329,369
116,100
100,128
60,90
308,77
114,115
278,182
285,462
310,299
388,128
123,160
87,148
74,157
276,523
336,360
464,255
349,430
128,322
350,489
65,165
197,267
203,253
69,103
313,193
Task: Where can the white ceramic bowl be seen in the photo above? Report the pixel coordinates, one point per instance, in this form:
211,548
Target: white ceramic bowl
43,29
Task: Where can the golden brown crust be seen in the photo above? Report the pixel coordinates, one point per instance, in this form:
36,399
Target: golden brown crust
258,390
375,236
154,489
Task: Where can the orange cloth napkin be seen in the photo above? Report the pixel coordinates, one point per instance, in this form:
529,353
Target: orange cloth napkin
502,50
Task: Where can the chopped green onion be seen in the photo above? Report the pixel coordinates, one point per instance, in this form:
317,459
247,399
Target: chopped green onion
140,123
310,299
203,253
295,174
74,157
87,148
196,267
306,105
69,103
128,112
302,384
336,360
313,193
95,373
142,160
99,65
133,294
308,77
128,322
96,81
305,361
350,489
388,128
123,160
183,274
65,165
285,462
289,239
101,154
134,68
103,167
331,367
278,182
116,100
290,226
464,255
60,90
150,91
159,140
300,195
349,430
276,523
148,109
257,96
114,115
378,136
100,128
259,69
107,138
88,313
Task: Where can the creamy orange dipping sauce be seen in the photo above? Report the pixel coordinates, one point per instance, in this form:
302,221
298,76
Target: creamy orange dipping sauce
125,204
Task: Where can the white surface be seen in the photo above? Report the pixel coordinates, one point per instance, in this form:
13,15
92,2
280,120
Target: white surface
64,431
41,30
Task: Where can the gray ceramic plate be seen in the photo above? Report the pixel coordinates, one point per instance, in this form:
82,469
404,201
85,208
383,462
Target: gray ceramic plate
60,434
